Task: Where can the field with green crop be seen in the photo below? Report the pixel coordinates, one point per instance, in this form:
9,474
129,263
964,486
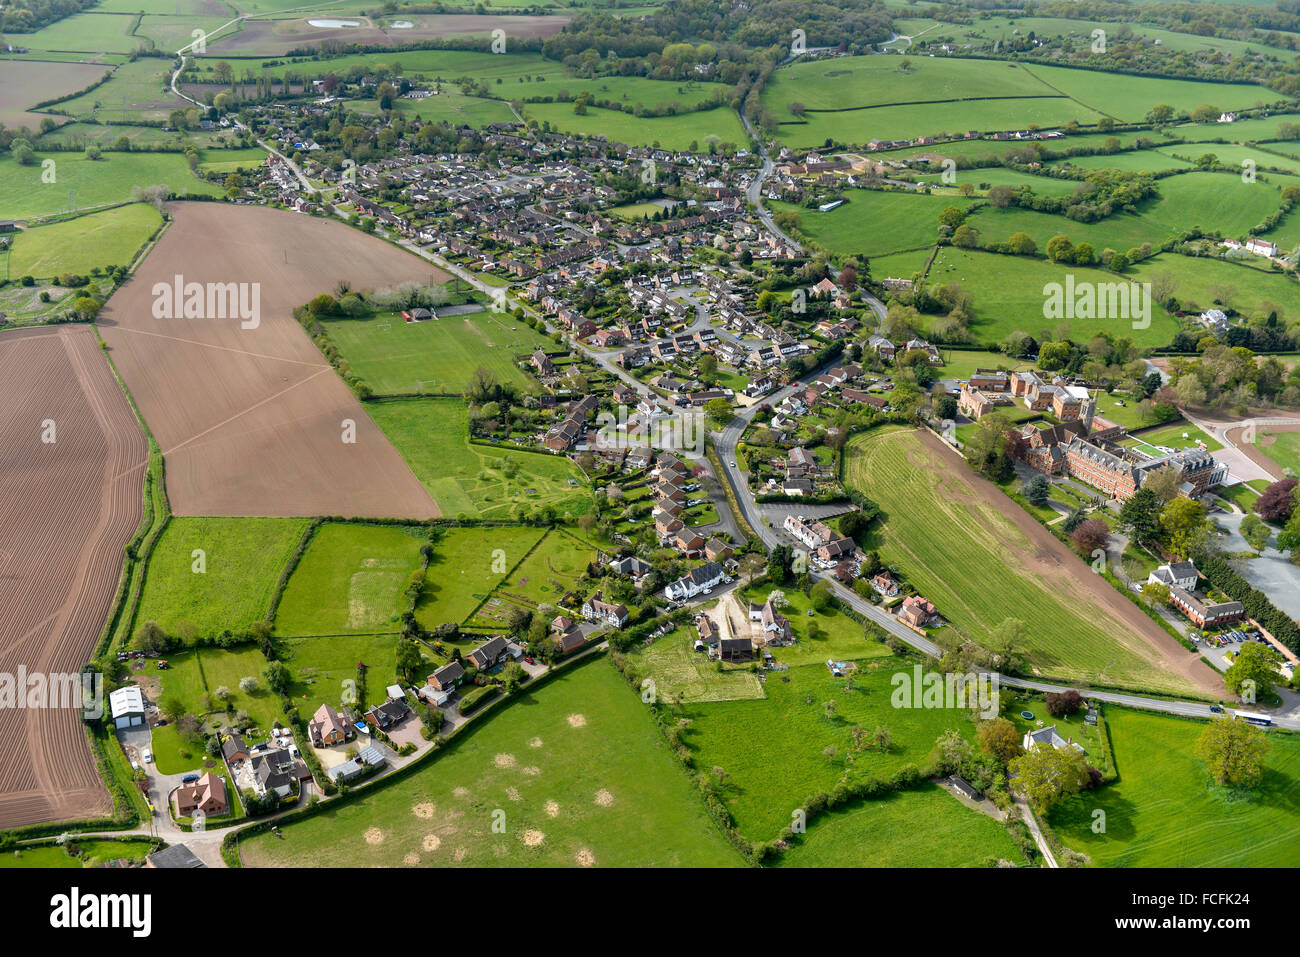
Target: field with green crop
108,238
438,356
958,540
923,828
578,769
720,124
231,161
88,33
1008,296
1165,811
854,99
1202,283
455,109
230,582
24,194
478,481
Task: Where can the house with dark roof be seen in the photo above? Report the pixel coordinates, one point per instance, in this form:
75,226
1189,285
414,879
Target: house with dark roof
489,654
695,581
448,677
386,715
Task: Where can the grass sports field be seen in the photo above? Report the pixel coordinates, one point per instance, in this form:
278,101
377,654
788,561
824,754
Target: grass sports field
229,584
1164,811
928,827
474,480
438,356
576,771
24,194
947,529
108,238
350,580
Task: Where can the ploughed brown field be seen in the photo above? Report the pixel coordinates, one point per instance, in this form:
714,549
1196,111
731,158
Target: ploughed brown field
68,508
24,83
252,421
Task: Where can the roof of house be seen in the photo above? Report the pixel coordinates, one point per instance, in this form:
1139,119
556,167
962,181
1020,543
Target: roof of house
176,856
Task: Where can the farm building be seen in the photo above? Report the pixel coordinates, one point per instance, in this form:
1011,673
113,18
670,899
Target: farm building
126,706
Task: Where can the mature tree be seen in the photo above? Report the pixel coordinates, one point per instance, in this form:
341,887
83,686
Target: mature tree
249,684
410,663
1037,490
1256,532
1141,514
151,639
1253,671
1001,739
882,739
1064,703
277,677
1233,752
778,564
1180,522
1048,775
1090,536
1164,483
955,752
1021,244
1060,249
1278,501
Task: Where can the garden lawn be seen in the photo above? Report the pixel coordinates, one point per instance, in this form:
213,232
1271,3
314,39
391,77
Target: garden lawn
351,580
680,673
471,479
108,238
436,356
93,853
578,769
243,560
928,827
1164,811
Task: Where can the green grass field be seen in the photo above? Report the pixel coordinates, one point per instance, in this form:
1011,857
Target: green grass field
549,571
439,356
1282,447
456,109
1181,435
979,569
138,90
1199,283
350,580
1008,296
923,828
577,768
231,161
108,238
243,559
667,132
94,853
89,33
24,194
1164,811
477,481
874,223
467,564
772,749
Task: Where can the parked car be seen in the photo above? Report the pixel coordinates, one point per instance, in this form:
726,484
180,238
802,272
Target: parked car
1216,709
